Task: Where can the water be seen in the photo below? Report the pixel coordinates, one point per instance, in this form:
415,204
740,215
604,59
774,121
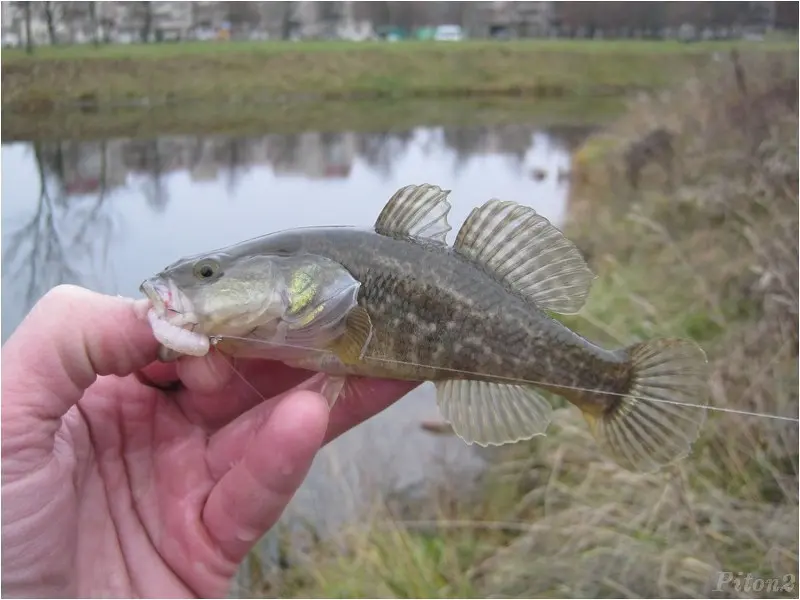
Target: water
106,214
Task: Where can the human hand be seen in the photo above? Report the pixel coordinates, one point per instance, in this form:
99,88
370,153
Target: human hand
127,477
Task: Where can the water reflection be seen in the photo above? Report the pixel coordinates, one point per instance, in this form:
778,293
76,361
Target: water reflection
61,237
106,214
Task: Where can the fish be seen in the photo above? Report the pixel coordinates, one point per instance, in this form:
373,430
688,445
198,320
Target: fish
477,318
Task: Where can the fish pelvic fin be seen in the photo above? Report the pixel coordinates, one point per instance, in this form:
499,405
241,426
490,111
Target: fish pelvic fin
659,418
523,250
492,414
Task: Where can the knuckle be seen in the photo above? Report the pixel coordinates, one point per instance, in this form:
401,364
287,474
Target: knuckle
61,293
59,299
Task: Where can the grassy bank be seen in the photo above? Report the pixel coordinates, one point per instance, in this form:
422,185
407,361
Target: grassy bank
173,74
293,117
712,255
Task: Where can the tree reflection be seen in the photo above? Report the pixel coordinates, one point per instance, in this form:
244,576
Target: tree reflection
235,157
152,164
66,239
381,151
61,234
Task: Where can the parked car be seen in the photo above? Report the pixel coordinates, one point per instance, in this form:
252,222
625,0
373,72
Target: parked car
449,33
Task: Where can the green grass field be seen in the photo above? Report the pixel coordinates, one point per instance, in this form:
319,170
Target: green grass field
166,50
56,78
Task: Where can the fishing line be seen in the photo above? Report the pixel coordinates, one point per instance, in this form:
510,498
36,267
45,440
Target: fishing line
216,339
230,361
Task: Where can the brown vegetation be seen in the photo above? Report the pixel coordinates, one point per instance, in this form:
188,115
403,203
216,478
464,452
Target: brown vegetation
715,260
238,73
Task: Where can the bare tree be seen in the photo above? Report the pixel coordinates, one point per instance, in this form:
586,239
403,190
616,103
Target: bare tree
49,18
287,20
330,13
144,14
73,14
401,14
28,35
243,15
786,15
93,22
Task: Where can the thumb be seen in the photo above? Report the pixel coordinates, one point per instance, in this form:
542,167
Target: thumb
71,336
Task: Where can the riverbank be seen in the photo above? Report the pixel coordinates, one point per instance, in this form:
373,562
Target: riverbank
711,255
54,79
332,116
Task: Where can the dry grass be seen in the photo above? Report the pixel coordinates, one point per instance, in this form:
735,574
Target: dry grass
173,74
715,258
285,117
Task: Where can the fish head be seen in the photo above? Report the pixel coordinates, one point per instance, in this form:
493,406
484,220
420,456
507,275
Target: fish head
218,294
300,299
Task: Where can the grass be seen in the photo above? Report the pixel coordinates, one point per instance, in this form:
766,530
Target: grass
292,117
713,256
164,50
248,72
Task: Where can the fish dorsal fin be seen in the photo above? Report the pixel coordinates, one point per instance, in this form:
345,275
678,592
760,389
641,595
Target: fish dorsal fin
524,250
418,211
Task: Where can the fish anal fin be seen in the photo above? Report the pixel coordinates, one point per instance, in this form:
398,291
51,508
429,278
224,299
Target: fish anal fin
525,251
492,414
417,211
351,345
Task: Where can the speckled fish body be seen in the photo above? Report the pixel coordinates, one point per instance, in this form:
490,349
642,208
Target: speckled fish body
436,316
399,302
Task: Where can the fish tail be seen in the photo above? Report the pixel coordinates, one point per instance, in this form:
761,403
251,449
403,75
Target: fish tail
659,416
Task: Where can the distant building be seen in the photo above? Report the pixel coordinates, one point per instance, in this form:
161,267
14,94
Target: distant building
507,19
122,21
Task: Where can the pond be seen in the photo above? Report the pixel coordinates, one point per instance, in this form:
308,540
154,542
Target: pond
106,214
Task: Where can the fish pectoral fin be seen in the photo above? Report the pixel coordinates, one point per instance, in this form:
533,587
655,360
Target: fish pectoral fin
418,211
351,346
492,413
524,250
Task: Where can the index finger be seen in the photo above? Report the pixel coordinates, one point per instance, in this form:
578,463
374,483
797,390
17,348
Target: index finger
70,337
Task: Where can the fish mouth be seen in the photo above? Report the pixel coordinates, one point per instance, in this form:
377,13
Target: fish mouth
169,303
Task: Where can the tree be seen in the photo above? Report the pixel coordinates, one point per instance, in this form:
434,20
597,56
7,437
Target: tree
50,19
786,15
287,22
331,15
28,35
144,13
243,15
93,21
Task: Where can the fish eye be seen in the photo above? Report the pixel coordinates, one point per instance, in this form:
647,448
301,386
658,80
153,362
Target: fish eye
206,269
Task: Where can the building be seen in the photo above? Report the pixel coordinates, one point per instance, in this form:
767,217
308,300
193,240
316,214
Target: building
506,19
